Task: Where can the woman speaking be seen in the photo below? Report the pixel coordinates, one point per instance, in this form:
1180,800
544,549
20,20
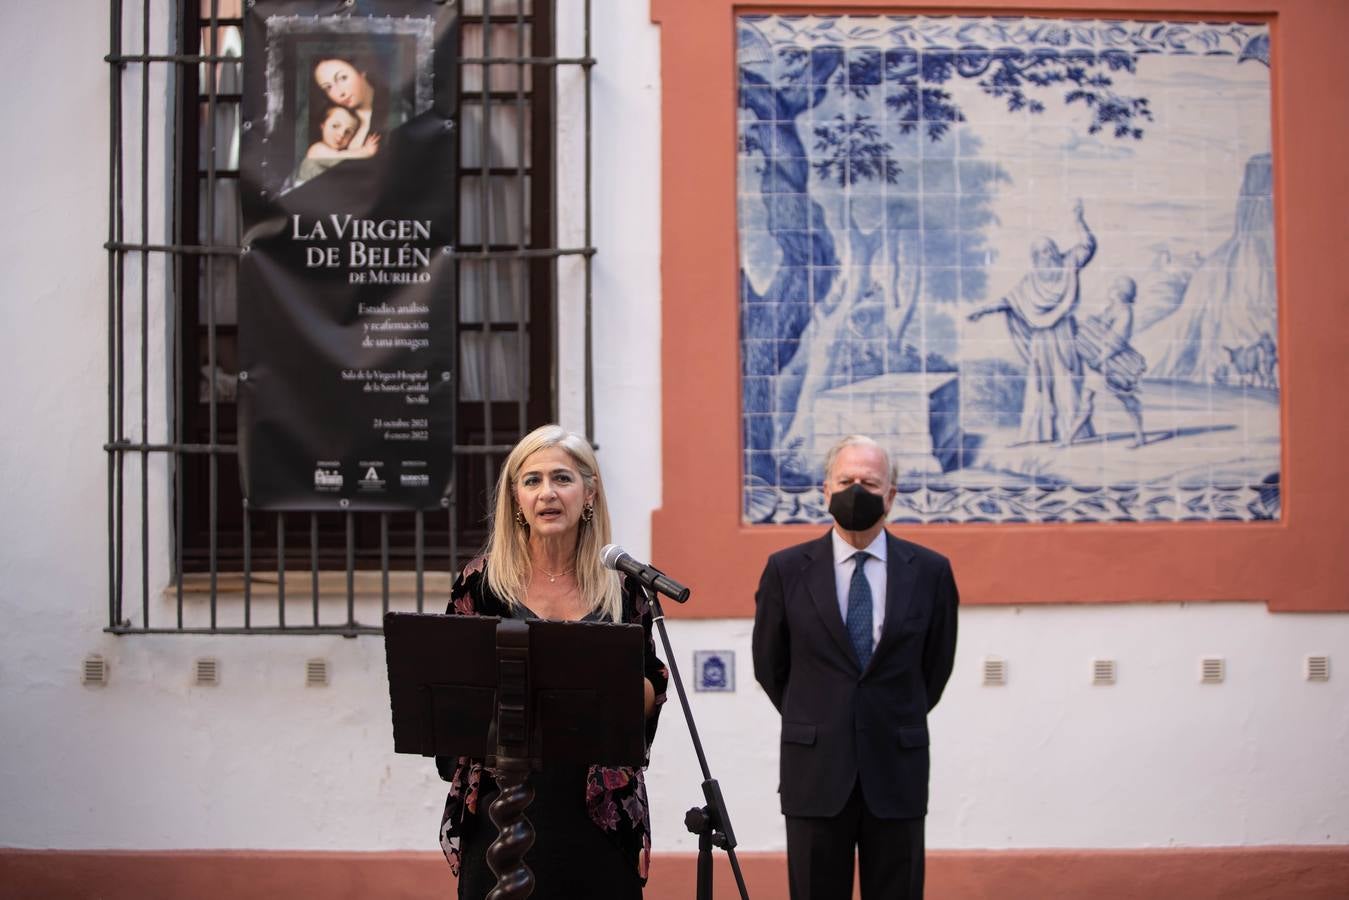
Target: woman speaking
548,523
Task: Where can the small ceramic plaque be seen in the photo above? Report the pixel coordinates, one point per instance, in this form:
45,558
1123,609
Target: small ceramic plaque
714,670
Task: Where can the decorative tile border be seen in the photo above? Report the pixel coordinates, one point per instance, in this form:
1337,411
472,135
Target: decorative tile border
893,171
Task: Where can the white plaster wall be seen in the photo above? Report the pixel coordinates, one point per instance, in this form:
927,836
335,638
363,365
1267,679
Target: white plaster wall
263,762
1049,760
625,196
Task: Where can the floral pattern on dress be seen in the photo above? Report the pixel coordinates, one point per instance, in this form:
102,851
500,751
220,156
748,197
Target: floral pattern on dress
615,798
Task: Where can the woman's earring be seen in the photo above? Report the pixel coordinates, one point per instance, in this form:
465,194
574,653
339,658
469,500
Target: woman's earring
587,513
520,518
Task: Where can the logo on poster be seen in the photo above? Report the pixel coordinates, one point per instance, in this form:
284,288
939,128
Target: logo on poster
414,479
371,480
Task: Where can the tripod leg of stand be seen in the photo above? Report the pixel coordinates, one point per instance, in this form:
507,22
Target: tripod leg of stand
515,835
705,866
711,823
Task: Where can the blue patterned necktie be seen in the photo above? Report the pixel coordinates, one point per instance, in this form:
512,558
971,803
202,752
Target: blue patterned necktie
859,609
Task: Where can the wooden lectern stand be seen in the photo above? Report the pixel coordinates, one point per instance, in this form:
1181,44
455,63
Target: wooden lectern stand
518,695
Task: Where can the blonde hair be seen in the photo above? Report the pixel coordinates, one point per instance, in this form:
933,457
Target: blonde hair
508,564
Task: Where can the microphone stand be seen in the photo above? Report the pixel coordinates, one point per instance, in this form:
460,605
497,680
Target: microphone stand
710,822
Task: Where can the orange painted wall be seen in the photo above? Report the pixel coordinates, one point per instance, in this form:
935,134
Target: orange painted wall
1219,873
1300,563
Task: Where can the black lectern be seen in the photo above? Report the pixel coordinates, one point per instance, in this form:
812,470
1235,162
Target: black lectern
516,694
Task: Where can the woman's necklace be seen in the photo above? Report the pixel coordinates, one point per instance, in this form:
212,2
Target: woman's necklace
553,577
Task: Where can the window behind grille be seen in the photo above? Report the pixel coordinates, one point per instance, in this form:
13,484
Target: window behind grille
506,257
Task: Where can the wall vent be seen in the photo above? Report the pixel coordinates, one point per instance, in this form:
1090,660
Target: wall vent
1212,670
95,671
1102,671
995,670
316,673
206,672
1318,668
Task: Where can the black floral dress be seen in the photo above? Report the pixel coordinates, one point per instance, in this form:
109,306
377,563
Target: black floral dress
613,799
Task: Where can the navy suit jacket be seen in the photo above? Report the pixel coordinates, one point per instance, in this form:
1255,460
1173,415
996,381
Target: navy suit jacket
840,723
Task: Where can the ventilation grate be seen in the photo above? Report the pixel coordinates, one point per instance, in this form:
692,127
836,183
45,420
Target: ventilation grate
1212,670
1318,668
1102,671
95,671
207,672
316,673
995,670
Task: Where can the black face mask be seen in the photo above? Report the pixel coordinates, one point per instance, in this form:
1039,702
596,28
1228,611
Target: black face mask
856,509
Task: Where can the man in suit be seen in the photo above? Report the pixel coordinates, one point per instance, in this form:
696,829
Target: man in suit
854,638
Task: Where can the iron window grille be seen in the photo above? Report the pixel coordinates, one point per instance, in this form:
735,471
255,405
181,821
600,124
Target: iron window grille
173,242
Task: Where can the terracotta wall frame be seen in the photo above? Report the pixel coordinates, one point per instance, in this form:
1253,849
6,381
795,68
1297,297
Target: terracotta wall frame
1300,563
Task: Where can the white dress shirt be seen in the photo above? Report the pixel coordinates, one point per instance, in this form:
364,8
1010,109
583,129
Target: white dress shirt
874,569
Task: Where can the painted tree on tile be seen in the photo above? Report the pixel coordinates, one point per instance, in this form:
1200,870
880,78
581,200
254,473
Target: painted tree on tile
867,277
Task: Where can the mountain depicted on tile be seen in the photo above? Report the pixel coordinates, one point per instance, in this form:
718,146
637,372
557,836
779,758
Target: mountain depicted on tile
1034,257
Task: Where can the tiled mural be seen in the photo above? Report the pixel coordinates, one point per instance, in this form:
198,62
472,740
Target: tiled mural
1033,257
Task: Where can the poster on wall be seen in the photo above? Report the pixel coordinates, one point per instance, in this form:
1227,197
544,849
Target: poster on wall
348,167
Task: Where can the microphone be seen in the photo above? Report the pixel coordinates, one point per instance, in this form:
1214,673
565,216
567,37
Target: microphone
615,557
